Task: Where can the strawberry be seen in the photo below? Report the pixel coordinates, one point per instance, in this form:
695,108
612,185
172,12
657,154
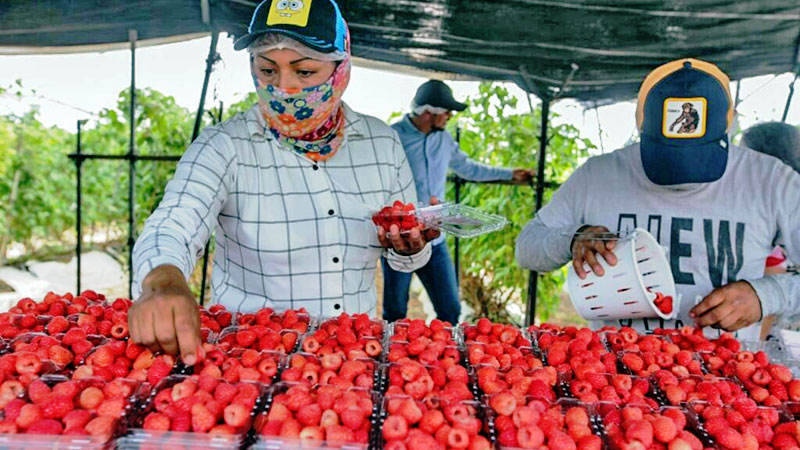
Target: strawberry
664,430
156,421
236,415
202,419
26,416
729,438
57,407
45,426
101,426
91,397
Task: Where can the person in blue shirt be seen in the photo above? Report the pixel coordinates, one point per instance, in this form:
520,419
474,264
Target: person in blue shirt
431,151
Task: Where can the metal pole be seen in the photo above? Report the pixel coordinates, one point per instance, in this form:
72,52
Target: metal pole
533,282
457,259
210,60
208,244
789,98
132,37
78,222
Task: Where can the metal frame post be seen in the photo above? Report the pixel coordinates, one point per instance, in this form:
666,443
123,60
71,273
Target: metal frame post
132,37
789,98
457,255
533,281
79,201
208,244
212,58
796,70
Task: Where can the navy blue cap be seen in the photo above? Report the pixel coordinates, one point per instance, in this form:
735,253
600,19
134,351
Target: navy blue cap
684,114
437,94
316,23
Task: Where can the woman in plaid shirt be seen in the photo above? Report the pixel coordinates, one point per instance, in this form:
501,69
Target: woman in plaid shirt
288,187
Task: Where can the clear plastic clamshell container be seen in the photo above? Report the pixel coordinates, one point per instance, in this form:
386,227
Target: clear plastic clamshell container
452,218
460,220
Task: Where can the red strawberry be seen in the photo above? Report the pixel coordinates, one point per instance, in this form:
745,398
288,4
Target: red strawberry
57,408
664,429
156,421
159,370
46,426
236,415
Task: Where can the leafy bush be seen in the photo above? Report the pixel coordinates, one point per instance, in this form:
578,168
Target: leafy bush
34,166
492,284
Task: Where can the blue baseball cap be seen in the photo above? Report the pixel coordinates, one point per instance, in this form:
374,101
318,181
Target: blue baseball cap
684,112
316,23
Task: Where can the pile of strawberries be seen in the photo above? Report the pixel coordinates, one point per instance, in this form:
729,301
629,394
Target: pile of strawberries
415,424
67,367
707,388
743,425
537,424
619,389
536,383
313,414
576,352
332,368
71,407
636,428
444,382
354,336
201,404
498,345
400,214
257,337
428,344
682,363
239,364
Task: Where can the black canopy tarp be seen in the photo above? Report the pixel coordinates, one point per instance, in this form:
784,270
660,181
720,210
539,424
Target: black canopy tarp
607,45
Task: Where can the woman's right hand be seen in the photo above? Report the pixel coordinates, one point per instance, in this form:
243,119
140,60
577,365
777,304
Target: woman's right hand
165,317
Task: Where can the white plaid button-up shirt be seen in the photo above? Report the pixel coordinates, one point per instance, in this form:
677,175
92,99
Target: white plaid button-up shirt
290,232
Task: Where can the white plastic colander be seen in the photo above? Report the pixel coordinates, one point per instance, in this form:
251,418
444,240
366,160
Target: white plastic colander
628,289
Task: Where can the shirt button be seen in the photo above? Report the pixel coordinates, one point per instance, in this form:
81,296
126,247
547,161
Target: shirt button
315,167
331,212
335,259
336,306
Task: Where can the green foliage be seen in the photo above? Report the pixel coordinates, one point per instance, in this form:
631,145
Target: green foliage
492,283
34,159
34,166
32,181
242,105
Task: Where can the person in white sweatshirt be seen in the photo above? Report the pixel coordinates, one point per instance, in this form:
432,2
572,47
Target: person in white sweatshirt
719,209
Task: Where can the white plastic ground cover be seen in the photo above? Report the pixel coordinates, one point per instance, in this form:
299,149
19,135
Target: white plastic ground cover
627,289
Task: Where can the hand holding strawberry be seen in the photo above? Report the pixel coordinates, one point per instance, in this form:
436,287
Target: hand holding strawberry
399,229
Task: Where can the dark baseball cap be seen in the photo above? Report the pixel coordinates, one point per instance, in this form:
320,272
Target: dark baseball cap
316,23
684,113
437,94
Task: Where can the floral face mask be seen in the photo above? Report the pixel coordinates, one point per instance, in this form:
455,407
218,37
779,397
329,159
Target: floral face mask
310,121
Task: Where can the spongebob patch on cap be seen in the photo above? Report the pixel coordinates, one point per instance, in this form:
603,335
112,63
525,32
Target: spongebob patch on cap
289,12
684,117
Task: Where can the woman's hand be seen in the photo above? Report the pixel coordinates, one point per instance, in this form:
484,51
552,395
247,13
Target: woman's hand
165,317
410,243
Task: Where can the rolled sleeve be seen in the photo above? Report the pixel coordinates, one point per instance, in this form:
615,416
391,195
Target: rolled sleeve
408,263
778,294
